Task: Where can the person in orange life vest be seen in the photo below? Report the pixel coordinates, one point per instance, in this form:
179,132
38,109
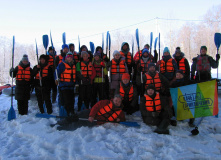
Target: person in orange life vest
85,75
62,56
107,60
202,65
108,110
46,77
142,66
84,48
167,66
157,79
52,56
117,67
125,52
182,62
67,79
129,94
75,54
99,81
155,110
24,80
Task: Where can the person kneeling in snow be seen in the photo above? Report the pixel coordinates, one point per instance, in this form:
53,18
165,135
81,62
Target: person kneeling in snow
155,110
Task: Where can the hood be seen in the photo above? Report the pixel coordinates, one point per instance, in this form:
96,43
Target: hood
24,66
125,43
181,54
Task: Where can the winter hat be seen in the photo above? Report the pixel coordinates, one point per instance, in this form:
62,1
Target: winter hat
97,54
125,76
116,52
180,71
69,54
65,46
166,49
25,58
83,52
145,50
203,47
151,86
151,64
50,48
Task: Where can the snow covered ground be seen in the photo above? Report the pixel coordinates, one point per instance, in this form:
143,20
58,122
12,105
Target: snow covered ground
31,138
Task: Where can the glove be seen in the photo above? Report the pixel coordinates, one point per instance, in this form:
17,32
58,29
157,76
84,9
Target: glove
155,52
57,81
217,57
155,114
192,77
12,70
102,64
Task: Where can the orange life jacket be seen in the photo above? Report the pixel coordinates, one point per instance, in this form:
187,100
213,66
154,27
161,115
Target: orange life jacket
69,73
166,67
23,74
106,110
60,58
203,63
128,58
144,65
181,65
130,94
86,70
138,56
118,68
51,60
155,81
44,72
153,105
76,57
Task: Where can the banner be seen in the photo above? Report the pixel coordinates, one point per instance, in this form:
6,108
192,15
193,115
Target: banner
195,100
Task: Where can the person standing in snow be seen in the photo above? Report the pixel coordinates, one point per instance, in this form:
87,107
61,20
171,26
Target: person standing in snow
129,95
103,56
155,110
117,67
74,53
52,56
182,63
125,52
62,56
45,79
202,65
24,79
85,49
67,78
85,75
99,81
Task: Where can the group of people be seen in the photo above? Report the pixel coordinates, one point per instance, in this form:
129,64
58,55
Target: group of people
110,88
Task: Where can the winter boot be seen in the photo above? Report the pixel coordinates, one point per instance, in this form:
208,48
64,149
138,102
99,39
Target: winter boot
54,96
191,121
162,128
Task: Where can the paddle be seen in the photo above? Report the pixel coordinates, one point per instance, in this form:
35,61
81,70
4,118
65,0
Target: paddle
45,42
92,47
137,38
126,123
79,45
132,54
40,79
11,112
159,46
109,38
102,44
217,40
64,38
155,43
151,40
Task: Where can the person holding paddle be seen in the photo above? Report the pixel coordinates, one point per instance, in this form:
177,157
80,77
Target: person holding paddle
24,79
202,65
62,56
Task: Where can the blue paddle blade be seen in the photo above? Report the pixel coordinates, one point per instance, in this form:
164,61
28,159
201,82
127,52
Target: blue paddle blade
151,39
79,44
92,47
132,46
62,112
40,115
36,47
102,40
137,38
11,114
45,41
217,40
109,41
64,38
155,43
159,40
13,45
51,40
130,124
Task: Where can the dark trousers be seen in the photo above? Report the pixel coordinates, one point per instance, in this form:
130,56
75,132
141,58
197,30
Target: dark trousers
98,91
46,95
85,93
68,100
22,107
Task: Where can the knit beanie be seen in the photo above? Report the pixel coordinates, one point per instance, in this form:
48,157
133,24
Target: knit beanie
97,54
145,50
25,58
125,76
150,65
116,52
50,48
150,86
69,54
65,46
166,49
83,52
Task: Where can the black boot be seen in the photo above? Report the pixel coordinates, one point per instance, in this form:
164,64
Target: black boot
191,121
162,128
54,96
